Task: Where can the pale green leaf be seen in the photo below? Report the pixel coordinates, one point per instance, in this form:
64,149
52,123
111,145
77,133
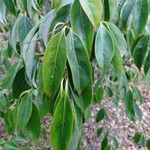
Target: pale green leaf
54,63
62,126
93,9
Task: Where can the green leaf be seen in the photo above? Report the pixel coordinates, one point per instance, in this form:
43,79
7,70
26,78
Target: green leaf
61,16
137,137
101,115
140,51
56,3
54,63
99,131
19,84
29,7
45,26
137,111
23,27
2,12
24,111
148,144
28,53
10,6
104,48
82,26
129,105
8,80
62,126
118,36
34,124
109,9
99,95
87,96
147,64
93,10
79,62
140,16
125,13
9,119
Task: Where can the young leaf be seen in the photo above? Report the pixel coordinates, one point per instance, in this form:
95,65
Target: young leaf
140,51
140,16
104,48
24,111
93,10
79,62
56,3
82,26
34,124
62,126
54,63
101,115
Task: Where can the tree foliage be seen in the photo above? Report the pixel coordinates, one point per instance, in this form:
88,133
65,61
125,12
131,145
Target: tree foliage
57,53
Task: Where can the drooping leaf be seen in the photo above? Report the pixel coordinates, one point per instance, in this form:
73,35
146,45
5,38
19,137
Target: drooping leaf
99,131
148,144
19,84
10,6
117,59
93,9
137,111
9,119
79,62
99,95
61,16
82,26
34,124
125,13
140,16
54,63
147,64
101,115
2,11
120,40
28,53
109,9
45,26
62,126
24,111
7,81
129,105
104,48
140,51
23,27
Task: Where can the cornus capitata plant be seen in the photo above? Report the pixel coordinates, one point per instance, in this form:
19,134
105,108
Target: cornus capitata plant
63,56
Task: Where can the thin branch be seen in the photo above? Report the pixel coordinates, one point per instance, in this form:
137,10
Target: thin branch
44,35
